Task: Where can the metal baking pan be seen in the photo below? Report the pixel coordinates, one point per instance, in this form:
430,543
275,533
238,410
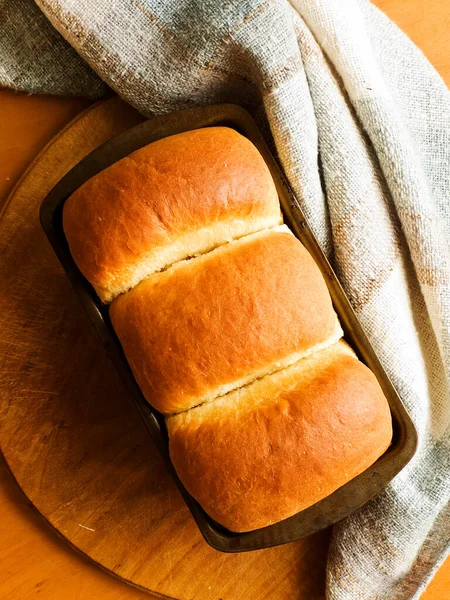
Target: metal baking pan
352,495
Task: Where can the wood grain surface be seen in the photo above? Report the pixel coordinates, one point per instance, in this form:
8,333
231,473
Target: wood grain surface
27,123
34,562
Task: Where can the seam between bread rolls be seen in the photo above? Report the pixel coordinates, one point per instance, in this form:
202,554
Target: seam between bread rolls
280,366
180,263
163,258
320,349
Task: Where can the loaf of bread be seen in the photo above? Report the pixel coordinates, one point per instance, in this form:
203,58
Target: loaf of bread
178,197
228,327
275,447
212,324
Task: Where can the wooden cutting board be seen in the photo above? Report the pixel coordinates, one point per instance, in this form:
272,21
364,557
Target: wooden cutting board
73,439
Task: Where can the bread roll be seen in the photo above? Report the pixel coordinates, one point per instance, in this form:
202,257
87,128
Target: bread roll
270,450
175,198
214,323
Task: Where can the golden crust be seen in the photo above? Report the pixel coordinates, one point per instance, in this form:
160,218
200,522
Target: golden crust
175,198
216,322
270,450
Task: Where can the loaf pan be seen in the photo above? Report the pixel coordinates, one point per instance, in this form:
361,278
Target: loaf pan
352,495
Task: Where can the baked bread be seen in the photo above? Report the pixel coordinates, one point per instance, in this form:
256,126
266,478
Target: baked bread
215,323
277,446
239,346
175,198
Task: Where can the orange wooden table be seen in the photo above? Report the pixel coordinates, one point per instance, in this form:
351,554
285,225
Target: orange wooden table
34,562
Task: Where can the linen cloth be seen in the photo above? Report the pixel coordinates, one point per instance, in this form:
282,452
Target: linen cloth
361,125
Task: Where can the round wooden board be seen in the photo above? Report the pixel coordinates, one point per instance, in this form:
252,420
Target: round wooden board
74,441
